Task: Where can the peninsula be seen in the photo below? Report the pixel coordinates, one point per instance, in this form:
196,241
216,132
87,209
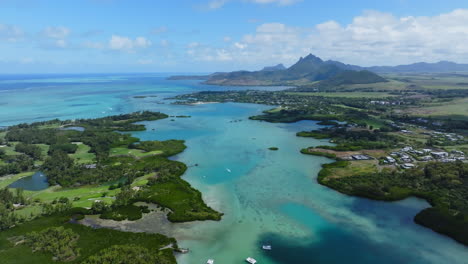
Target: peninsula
91,169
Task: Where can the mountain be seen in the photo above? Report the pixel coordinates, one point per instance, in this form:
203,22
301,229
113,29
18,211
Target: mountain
306,71
422,67
278,67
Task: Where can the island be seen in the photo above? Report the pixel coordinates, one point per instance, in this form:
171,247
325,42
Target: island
92,167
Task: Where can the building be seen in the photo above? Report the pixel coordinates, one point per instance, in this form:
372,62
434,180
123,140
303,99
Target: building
361,157
440,155
426,158
407,166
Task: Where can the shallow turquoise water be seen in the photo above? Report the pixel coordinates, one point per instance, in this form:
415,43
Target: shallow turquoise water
267,196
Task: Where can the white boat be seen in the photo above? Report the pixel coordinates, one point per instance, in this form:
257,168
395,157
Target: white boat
266,247
228,170
251,260
210,261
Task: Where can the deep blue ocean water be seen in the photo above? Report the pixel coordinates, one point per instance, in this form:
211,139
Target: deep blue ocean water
267,196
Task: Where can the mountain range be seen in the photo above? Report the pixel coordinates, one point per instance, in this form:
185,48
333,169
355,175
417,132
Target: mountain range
311,70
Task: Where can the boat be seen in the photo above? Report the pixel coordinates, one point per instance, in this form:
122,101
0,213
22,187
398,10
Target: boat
210,261
251,260
228,170
266,247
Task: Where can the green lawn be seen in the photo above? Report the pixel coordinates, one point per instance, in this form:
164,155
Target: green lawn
87,194
456,109
44,148
132,152
10,150
82,154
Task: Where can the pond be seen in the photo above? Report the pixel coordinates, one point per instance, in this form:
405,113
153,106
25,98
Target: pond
36,182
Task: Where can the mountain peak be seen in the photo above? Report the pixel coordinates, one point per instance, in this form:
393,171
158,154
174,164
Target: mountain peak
306,64
278,67
311,57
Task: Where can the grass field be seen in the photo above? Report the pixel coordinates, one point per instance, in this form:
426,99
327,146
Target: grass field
347,94
441,81
354,168
10,150
391,85
87,194
456,109
82,154
133,152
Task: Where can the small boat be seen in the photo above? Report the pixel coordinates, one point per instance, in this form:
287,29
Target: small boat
184,250
228,170
251,260
210,261
266,247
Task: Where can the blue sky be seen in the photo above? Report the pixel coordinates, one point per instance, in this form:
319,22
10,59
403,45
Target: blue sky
221,35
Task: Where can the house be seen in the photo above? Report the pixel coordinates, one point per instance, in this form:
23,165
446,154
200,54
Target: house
361,157
457,152
136,188
446,160
90,166
426,158
417,152
426,151
390,159
407,149
440,155
408,166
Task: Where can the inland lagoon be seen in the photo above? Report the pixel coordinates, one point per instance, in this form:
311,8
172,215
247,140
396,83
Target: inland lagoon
268,197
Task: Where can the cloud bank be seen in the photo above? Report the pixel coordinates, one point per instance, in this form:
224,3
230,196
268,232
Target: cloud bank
373,38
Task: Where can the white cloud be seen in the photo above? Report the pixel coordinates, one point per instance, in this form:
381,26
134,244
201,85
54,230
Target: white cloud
127,44
240,45
373,38
11,33
56,32
55,37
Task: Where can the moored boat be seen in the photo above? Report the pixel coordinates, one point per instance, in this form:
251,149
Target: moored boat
251,260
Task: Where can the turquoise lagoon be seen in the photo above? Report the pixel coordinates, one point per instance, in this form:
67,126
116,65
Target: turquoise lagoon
267,196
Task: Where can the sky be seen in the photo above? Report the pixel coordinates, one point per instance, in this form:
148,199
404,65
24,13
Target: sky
100,36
